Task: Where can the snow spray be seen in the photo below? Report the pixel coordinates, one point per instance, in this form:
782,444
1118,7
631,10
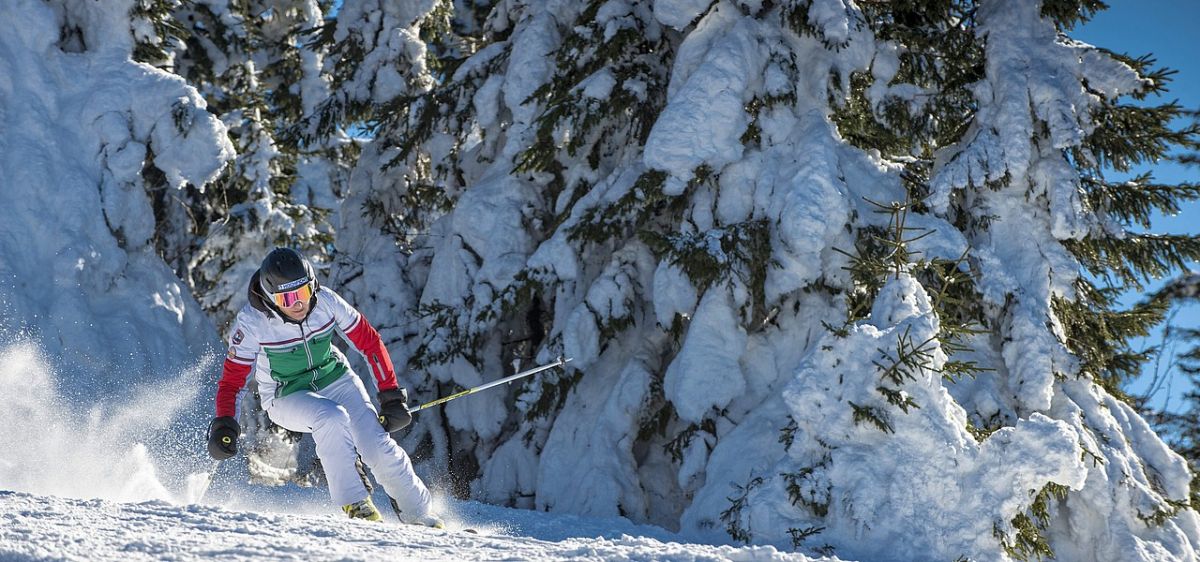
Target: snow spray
115,451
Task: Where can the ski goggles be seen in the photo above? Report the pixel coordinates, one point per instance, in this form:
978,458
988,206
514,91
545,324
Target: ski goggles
288,298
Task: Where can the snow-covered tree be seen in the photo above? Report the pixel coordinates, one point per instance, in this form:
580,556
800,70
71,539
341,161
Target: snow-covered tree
254,64
834,275
81,119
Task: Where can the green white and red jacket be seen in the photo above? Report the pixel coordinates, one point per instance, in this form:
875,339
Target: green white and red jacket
287,356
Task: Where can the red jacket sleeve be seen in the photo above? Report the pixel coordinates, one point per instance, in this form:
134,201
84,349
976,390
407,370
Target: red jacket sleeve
367,340
233,378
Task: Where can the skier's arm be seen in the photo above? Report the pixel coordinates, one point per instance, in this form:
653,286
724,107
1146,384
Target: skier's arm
364,338
233,378
223,431
393,401
239,363
355,328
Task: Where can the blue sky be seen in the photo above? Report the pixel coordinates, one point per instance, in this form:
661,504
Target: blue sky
1166,29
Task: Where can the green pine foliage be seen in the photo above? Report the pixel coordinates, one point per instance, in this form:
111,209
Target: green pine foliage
604,126
1066,14
630,214
737,503
809,489
156,47
436,103
941,55
434,153
742,250
1127,135
1028,540
1135,200
1192,157
676,447
883,254
158,34
801,535
451,339
1099,334
467,48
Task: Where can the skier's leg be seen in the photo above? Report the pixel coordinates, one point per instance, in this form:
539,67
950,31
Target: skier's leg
329,424
387,460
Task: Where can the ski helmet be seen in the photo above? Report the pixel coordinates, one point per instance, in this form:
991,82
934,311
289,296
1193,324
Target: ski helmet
284,269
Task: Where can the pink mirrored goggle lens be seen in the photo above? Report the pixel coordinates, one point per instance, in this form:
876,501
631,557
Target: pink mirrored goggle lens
289,298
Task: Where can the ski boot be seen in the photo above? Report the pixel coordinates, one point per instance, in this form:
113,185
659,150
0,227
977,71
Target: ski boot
363,510
429,520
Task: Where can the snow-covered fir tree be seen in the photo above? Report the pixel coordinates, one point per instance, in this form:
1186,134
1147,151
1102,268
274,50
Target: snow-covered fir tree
92,143
833,275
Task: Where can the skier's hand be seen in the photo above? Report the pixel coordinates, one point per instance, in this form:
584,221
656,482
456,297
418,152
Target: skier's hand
222,437
393,409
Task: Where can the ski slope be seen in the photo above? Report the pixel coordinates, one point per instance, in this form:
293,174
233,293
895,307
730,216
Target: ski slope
130,481
37,527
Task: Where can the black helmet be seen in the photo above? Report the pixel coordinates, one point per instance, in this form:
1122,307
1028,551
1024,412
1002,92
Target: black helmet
284,269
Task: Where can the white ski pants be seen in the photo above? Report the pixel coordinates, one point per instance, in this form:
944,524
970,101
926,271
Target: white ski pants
343,422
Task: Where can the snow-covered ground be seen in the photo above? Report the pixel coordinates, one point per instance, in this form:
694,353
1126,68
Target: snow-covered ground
36,527
128,482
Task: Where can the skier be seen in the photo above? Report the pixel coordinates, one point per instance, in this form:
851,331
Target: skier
284,334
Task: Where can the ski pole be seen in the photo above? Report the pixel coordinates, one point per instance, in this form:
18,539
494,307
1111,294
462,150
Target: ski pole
510,378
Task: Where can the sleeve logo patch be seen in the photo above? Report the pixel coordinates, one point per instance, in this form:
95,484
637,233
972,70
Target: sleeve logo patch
238,336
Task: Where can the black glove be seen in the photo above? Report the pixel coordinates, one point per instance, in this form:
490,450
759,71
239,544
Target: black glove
393,409
222,437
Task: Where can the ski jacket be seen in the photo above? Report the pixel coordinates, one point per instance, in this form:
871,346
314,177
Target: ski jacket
290,356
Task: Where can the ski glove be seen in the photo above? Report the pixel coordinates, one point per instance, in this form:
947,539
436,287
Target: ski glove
393,409
222,437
